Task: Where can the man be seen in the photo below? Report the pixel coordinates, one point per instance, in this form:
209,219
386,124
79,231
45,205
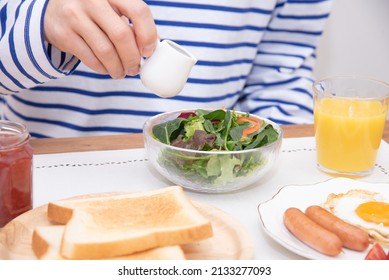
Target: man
253,55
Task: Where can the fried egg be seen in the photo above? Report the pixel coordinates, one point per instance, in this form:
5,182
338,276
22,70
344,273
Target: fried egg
365,209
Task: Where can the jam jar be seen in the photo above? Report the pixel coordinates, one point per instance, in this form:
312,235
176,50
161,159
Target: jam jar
15,171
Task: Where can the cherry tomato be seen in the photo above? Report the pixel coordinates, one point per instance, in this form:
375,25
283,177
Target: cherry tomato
376,253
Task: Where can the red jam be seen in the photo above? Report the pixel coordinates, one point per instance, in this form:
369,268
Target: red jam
15,171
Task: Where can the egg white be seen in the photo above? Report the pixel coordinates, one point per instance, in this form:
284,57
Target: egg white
344,205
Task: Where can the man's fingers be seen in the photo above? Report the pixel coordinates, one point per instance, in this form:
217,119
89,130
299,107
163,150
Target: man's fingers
80,49
139,13
103,48
121,35
95,32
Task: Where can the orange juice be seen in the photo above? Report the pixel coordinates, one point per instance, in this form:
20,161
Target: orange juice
348,133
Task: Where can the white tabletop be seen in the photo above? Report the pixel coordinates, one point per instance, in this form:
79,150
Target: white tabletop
58,176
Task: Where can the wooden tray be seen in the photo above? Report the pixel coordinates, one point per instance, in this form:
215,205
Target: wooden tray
230,241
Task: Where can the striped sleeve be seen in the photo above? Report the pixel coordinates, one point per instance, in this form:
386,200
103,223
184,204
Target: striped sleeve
279,85
25,59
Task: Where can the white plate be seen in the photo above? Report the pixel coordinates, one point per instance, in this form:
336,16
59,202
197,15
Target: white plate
301,196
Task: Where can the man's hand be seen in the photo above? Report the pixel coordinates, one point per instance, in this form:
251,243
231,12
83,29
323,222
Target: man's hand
99,34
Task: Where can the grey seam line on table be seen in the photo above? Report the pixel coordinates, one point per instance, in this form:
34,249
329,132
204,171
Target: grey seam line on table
381,168
90,164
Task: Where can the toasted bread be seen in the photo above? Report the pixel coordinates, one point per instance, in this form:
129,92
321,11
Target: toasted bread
46,242
118,225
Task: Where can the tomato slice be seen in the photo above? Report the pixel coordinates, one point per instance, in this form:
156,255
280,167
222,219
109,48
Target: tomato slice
255,125
376,253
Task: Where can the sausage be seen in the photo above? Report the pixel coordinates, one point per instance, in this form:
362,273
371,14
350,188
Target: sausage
311,233
351,236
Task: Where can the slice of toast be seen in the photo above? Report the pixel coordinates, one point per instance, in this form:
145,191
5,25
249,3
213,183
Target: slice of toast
46,242
118,225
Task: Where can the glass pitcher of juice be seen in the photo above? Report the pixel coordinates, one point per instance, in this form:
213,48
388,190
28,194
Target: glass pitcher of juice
15,171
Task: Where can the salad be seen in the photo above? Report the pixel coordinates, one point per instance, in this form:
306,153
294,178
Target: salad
219,132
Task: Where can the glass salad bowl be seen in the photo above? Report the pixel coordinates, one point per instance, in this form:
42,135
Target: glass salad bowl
212,151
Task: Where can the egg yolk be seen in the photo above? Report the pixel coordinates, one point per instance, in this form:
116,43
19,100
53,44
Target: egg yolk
374,212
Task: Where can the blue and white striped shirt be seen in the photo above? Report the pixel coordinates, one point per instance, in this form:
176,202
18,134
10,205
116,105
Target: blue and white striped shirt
253,55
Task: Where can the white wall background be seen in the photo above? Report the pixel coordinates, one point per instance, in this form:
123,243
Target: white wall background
355,40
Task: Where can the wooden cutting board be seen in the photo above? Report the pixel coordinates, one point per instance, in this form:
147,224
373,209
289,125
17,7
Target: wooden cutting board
230,241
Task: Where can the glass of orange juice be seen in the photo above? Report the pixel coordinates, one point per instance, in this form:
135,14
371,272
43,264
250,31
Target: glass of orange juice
349,119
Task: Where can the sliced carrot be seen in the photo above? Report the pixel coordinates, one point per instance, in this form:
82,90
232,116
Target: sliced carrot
255,125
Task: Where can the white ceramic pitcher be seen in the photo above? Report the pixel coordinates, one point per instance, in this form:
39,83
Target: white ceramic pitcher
165,73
